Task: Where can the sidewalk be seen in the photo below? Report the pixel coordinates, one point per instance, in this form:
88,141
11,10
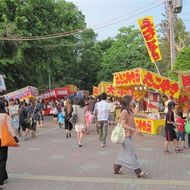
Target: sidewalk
52,162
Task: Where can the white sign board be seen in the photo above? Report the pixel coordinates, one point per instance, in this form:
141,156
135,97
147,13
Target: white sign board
2,84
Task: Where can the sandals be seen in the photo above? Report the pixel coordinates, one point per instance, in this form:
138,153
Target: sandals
167,151
177,150
143,174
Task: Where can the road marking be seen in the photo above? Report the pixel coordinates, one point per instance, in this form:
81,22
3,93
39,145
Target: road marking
102,180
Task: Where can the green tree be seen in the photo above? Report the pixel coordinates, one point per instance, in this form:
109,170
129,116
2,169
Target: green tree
182,63
28,63
127,51
182,40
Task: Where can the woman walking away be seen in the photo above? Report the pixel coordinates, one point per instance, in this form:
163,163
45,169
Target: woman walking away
4,117
127,157
88,118
68,114
80,124
24,120
169,128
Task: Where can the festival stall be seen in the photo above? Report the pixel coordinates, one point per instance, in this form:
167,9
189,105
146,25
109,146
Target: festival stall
143,84
28,92
57,93
54,94
184,98
110,90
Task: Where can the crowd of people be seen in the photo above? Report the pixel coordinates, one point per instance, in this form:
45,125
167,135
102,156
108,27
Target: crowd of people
24,117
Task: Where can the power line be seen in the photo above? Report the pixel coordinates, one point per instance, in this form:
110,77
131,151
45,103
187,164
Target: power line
145,7
128,17
69,33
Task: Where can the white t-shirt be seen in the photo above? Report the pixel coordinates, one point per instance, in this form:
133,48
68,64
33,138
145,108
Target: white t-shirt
102,109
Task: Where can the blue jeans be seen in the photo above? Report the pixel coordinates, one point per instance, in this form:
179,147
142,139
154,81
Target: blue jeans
180,135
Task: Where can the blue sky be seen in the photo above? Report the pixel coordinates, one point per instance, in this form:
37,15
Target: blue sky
102,14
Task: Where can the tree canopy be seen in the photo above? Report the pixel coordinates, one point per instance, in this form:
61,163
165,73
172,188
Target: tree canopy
127,51
77,59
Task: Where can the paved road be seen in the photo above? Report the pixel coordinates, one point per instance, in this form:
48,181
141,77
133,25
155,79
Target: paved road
52,162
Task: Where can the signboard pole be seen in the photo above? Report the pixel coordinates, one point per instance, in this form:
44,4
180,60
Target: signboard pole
157,68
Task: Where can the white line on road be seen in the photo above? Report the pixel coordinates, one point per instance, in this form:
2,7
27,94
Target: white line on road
102,180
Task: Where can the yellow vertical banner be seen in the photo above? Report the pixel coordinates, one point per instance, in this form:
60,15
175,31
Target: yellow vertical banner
148,32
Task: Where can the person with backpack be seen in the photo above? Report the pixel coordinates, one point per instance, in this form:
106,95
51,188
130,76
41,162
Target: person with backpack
127,157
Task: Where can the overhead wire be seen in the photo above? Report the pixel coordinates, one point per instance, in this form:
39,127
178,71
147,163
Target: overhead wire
69,33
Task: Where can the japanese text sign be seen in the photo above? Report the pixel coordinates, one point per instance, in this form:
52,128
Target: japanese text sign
127,78
148,31
184,79
144,125
160,83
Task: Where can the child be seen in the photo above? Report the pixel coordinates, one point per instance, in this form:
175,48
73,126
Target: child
180,130
88,118
61,118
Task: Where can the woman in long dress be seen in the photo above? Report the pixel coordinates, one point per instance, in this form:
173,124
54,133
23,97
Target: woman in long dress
14,113
127,157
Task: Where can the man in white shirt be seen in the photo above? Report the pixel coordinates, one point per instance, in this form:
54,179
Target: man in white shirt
102,111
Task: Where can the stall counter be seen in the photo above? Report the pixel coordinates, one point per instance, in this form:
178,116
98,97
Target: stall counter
149,126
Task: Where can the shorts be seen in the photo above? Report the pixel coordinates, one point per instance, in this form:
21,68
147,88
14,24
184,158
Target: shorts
170,133
24,126
180,135
55,115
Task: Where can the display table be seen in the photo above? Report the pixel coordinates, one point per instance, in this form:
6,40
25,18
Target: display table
149,126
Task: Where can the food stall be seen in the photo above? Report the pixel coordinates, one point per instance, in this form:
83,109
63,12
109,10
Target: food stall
110,90
57,93
29,92
184,98
143,84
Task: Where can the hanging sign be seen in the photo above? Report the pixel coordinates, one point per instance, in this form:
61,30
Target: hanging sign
148,32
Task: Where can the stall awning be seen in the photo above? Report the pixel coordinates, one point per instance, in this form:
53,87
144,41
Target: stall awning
23,93
151,80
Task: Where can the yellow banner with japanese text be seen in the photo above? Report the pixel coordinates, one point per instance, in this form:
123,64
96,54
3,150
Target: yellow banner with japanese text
148,32
161,84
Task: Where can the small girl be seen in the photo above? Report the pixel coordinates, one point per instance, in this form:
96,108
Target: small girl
88,118
61,118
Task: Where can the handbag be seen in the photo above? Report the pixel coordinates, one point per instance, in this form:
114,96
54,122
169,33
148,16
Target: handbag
118,134
6,138
27,121
74,117
187,126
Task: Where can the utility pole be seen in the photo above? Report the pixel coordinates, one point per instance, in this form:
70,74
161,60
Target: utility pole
171,33
174,7
49,73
